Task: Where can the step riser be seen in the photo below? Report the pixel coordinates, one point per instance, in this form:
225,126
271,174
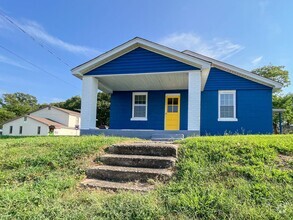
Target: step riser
125,176
136,162
149,151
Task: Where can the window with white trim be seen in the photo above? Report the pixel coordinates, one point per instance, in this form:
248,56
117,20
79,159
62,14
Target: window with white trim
227,105
139,106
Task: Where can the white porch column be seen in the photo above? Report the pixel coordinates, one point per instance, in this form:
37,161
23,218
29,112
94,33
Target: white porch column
194,104
89,102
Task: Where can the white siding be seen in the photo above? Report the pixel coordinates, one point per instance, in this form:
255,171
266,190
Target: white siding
73,121
29,127
66,131
53,114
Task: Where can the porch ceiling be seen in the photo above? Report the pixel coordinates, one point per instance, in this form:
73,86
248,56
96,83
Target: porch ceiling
163,81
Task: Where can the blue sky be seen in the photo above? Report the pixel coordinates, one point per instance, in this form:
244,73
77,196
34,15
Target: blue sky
248,34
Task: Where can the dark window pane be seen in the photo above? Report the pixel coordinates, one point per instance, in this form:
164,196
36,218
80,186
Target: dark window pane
140,99
175,101
169,108
169,101
175,108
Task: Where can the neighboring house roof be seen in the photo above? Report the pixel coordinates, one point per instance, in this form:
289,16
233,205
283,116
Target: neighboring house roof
60,109
188,57
67,111
47,121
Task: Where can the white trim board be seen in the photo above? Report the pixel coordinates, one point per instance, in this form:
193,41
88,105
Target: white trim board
233,92
133,104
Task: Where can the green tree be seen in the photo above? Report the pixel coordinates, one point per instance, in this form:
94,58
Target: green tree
19,103
283,102
5,116
72,103
103,109
276,73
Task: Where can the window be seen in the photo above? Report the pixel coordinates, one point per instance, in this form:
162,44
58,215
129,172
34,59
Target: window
20,129
25,118
10,129
172,105
227,105
39,129
139,106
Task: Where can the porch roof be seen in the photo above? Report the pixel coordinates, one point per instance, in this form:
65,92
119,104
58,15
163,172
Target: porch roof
135,82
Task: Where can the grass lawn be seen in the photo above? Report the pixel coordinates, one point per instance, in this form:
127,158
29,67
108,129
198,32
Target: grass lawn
230,177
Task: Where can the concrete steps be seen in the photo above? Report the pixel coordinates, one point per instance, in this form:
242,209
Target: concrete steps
145,148
138,161
124,174
131,166
115,186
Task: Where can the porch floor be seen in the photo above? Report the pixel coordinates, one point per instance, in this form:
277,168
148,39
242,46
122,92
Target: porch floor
143,134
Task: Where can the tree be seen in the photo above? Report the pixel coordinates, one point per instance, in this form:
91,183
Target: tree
72,103
5,116
19,103
103,109
276,73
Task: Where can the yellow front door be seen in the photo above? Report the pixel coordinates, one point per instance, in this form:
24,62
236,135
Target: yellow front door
172,112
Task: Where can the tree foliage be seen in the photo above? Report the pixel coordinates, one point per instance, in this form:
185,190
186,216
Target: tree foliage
16,104
5,116
276,73
19,103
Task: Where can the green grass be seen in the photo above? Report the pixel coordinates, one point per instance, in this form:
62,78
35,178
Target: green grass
230,177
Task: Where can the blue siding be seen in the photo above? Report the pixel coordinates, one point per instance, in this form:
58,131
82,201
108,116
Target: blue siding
221,80
121,111
253,103
140,61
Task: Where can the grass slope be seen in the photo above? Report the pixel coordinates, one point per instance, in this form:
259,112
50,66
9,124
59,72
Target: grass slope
231,177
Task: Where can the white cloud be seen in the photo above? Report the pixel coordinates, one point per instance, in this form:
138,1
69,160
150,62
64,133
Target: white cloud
256,60
39,32
215,48
9,61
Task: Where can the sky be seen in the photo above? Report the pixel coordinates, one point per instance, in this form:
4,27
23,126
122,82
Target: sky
61,34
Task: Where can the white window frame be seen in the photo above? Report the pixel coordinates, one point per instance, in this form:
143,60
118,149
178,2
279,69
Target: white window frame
220,92
133,104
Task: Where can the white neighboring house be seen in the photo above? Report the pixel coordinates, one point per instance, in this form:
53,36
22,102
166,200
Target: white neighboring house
50,119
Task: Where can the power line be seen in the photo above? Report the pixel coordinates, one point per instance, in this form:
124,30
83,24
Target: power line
33,38
36,66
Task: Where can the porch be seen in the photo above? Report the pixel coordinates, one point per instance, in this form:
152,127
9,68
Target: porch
155,89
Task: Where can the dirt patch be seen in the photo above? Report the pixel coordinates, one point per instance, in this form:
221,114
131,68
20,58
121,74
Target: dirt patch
285,161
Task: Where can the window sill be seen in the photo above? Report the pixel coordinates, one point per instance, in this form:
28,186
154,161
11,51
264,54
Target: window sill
138,119
227,119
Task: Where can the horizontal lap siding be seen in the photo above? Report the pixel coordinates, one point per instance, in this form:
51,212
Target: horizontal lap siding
121,111
140,61
253,107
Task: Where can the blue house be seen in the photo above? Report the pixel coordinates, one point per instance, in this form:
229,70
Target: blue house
156,90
